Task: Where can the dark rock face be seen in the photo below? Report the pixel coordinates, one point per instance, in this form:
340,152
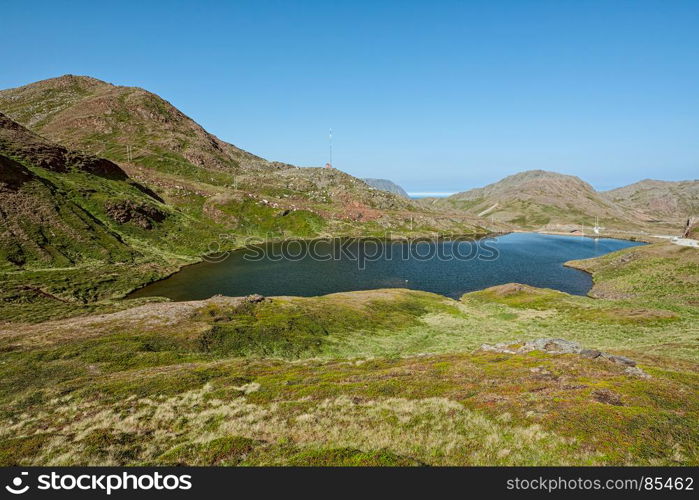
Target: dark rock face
254,298
562,346
97,166
17,141
141,215
12,174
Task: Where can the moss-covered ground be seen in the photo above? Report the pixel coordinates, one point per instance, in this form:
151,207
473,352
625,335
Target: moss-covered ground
382,377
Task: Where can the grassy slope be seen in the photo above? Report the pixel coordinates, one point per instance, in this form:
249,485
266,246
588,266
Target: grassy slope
62,252
380,377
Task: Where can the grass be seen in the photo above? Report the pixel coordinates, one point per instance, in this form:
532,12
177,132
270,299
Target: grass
384,377
450,409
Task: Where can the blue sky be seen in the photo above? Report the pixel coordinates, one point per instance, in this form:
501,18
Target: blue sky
437,96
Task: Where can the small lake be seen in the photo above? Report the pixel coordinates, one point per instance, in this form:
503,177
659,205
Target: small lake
451,268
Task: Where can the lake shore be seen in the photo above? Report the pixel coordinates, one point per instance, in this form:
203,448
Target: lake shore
447,266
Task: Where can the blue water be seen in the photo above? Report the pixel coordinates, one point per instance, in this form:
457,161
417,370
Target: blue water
321,267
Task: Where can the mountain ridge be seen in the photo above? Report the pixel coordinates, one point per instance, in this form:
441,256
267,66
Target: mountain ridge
658,198
163,148
78,111
386,185
540,199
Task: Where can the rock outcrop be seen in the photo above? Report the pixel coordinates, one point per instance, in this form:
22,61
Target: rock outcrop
562,346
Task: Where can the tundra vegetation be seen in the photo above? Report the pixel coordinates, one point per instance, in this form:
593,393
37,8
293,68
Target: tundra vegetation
106,188
383,377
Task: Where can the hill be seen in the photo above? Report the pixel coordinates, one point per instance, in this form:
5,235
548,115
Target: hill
161,147
80,227
42,222
88,114
76,228
658,199
536,199
386,185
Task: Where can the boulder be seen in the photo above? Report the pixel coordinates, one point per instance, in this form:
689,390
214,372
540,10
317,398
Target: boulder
563,346
608,397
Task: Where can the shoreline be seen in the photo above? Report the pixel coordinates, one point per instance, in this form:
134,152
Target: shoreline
125,298
645,238
236,248
133,295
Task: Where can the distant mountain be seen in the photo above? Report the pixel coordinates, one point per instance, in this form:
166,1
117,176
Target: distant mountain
540,199
658,199
386,185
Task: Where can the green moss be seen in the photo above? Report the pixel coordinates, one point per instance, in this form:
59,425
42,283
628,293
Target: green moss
348,457
105,443
18,451
254,218
302,327
229,450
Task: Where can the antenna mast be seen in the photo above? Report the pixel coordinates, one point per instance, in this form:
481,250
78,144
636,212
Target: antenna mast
330,141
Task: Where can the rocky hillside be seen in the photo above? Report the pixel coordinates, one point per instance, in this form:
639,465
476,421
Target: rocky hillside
539,199
386,185
161,147
659,199
44,223
61,207
39,223
88,114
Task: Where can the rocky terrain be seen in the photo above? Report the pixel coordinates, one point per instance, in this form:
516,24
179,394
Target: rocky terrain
386,185
562,346
659,200
542,200
42,221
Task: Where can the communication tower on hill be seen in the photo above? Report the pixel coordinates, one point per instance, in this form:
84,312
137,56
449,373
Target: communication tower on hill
330,144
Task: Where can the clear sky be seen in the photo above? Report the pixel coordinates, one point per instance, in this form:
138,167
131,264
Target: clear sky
437,96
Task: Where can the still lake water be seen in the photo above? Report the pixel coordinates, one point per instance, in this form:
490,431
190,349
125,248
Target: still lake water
450,268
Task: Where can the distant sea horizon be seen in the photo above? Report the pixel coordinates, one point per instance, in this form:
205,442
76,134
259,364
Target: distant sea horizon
430,194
